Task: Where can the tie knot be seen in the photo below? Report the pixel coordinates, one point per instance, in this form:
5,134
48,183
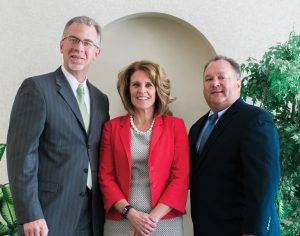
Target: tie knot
79,90
212,118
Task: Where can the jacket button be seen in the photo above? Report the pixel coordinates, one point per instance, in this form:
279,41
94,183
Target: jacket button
82,194
85,170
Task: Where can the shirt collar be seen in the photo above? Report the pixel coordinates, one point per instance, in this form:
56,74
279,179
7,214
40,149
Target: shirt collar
220,113
72,80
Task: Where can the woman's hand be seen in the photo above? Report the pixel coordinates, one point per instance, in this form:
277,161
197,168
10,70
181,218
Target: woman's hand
133,232
143,223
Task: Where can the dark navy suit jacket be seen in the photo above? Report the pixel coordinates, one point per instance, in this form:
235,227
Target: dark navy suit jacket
234,180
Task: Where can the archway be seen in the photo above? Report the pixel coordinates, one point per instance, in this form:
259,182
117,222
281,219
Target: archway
176,45
180,48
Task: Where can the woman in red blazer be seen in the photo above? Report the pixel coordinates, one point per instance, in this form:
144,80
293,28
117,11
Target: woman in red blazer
144,158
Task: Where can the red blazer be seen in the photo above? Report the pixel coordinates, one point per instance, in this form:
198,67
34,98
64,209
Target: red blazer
168,164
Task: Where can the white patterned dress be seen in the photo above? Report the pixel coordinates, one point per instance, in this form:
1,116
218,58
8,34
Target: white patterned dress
140,196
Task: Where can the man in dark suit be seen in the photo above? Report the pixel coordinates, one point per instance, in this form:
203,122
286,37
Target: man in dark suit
234,169
53,142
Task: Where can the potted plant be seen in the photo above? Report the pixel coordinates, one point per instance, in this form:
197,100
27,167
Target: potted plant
274,84
7,211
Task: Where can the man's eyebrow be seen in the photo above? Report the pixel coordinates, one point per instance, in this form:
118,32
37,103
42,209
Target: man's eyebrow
89,40
207,77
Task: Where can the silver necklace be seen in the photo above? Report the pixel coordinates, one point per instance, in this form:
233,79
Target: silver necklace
137,130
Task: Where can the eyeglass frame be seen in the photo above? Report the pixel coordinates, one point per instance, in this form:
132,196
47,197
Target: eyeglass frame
86,43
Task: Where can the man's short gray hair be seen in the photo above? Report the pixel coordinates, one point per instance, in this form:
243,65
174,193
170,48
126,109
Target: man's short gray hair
84,20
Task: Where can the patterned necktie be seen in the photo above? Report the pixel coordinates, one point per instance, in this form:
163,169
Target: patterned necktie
86,121
211,124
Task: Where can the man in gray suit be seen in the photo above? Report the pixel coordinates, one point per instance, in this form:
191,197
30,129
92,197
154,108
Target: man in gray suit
53,141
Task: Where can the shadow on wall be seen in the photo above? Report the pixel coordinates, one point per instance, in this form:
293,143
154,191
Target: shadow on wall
176,45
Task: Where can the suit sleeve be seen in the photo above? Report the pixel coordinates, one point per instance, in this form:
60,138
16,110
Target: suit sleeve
26,125
175,194
260,157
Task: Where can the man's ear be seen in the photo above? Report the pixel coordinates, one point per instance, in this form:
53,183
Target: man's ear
61,46
97,53
239,83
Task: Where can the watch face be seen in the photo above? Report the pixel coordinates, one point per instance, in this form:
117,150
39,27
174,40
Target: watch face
125,211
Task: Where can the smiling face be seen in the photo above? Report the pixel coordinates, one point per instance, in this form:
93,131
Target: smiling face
221,85
77,58
142,91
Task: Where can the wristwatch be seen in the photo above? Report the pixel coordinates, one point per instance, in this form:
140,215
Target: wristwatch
125,211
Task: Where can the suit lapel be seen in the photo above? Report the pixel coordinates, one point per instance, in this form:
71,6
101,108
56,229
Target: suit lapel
194,135
125,136
222,124
92,108
64,89
156,132
197,131
94,112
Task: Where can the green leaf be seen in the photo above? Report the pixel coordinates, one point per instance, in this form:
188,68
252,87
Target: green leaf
7,193
8,214
2,148
3,229
273,83
1,194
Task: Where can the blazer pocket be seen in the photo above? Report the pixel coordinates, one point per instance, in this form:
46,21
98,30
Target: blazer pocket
48,187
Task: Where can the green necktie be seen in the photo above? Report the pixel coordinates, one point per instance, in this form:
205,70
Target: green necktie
82,107
86,121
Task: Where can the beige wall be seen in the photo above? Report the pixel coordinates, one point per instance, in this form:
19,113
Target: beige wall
176,45
180,35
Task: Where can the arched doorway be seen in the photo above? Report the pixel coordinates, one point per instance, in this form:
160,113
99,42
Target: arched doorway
180,48
176,45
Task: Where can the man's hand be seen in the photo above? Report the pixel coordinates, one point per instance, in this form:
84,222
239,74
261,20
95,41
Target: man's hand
36,228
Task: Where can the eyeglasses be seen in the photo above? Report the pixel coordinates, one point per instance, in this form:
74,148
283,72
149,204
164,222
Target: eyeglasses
74,41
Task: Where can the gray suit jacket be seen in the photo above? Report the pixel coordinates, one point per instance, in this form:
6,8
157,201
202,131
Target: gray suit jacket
48,152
